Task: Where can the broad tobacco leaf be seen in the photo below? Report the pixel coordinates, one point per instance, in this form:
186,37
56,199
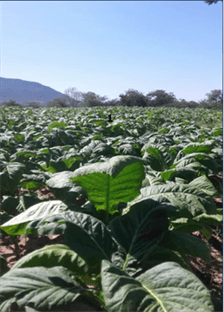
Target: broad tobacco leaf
141,229
164,288
44,289
116,180
17,225
53,255
83,233
191,199
10,177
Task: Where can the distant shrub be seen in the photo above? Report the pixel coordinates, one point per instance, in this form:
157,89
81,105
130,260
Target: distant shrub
11,103
33,104
58,102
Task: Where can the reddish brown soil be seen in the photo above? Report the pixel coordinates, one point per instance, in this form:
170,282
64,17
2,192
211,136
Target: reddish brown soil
211,274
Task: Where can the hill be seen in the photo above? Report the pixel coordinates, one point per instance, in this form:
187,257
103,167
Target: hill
23,91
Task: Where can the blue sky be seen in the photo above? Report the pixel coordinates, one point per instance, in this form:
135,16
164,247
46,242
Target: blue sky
108,47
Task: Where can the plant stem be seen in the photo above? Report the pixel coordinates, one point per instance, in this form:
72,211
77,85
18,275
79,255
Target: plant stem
15,242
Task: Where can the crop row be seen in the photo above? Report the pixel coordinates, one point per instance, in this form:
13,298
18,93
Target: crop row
146,183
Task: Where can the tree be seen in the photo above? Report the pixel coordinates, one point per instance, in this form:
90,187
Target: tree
182,101
133,98
33,104
11,103
215,97
160,97
58,102
114,102
211,1
192,104
73,97
92,99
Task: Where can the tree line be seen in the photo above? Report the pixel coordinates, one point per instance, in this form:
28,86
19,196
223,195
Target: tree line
158,98
74,98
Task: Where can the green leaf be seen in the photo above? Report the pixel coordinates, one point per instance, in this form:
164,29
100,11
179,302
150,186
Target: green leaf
108,183
154,158
56,124
205,185
205,147
56,166
166,287
25,155
19,137
191,201
72,163
60,180
86,235
210,219
10,178
161,255
186,244
3,265
217,132
31,185
185,173
44,289
168,175
186,225
62,187
17,225
9,205
54,255
204,159
141,229
163,130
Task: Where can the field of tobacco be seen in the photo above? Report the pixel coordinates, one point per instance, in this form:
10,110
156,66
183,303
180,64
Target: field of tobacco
111,209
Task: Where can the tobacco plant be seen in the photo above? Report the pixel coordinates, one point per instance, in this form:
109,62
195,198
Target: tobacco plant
146,184
111,255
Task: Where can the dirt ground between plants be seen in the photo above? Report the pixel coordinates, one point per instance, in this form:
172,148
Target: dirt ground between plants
209,274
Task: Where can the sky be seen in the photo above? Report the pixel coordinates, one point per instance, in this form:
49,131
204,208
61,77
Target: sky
109,47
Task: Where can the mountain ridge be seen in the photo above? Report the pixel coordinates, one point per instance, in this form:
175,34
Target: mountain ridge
23,91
